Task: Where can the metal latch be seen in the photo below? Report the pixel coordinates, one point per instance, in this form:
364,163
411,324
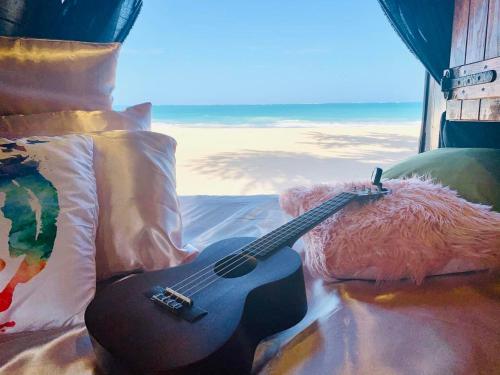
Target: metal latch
449,83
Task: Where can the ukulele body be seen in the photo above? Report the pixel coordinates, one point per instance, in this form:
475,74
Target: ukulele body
133,335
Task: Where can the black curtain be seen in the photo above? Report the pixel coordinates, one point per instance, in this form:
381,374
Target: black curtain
425,27
470,134
83,20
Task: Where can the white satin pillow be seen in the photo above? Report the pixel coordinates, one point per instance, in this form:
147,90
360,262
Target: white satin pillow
48,221
140,224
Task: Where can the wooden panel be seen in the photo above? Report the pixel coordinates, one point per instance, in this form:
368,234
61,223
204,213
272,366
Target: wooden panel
436,105
476,35
453,109
475,48
490,110
459,35
493,31
476,45
490,107
470,109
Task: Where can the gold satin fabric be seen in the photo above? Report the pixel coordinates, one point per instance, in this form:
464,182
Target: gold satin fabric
133,118
39,75
448,325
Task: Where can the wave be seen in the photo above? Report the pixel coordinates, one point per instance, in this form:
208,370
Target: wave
285,124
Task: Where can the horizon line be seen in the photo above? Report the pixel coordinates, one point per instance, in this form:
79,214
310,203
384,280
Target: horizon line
270,104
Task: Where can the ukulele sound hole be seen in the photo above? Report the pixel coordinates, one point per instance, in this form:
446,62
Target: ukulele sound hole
235,265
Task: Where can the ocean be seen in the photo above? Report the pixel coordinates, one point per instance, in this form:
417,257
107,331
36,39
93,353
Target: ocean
287,115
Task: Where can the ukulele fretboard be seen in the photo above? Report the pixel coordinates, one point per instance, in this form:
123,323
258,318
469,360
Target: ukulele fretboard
287,234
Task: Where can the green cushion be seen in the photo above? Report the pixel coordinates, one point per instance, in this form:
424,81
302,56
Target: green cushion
473,172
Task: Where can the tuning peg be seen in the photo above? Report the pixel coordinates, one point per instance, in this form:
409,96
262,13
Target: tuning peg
376,177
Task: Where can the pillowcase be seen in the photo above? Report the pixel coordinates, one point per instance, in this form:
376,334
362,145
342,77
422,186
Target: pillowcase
50,75
48,221
473,172
137,117
419,229
139,221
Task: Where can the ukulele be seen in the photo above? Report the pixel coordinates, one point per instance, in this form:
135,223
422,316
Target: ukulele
207,316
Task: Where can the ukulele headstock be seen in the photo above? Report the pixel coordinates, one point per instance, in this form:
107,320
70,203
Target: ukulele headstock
370,193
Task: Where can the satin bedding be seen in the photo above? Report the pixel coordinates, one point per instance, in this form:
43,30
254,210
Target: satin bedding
448,325
38,75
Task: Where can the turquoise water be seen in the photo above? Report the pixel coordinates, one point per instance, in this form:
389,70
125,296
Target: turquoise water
287,115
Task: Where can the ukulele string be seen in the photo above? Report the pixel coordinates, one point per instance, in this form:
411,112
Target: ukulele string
262,248
319,209
210,266
216,277
208,269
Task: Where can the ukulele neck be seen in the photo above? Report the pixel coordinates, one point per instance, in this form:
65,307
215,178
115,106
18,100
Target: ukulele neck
289,233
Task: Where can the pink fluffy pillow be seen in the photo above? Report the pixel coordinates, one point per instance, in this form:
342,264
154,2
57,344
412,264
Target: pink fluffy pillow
420,229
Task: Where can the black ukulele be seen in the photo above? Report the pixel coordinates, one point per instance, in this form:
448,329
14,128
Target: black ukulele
207,316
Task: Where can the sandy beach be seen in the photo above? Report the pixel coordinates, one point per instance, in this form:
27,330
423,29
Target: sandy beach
234,161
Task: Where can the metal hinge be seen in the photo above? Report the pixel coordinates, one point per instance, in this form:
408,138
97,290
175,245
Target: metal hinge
449,83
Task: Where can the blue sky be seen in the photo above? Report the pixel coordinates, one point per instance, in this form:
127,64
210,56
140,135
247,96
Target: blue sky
265,52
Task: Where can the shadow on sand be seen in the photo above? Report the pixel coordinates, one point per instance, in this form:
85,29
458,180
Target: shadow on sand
365,146
352,158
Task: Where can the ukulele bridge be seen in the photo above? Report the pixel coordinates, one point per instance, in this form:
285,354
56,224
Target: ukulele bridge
175,303
186,301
